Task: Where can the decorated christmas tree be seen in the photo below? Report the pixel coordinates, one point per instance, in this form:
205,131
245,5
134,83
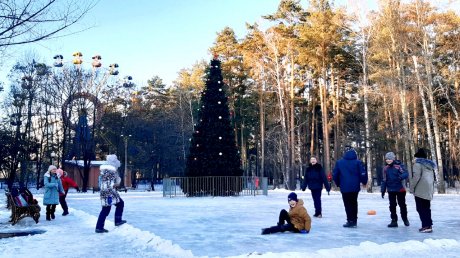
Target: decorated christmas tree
213,151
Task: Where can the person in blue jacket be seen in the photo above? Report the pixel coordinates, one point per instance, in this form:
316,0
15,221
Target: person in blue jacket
348,173
53,187
314,179
393,180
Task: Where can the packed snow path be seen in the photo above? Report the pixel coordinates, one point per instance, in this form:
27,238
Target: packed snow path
230,227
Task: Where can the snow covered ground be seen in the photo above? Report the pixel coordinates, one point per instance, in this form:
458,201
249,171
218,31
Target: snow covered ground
230,227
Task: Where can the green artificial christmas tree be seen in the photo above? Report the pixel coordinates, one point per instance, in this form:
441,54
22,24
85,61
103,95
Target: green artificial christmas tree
213,151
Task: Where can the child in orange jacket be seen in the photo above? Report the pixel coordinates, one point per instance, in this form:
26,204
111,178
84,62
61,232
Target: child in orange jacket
297,219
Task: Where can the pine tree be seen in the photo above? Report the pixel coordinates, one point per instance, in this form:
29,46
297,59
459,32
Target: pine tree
213,151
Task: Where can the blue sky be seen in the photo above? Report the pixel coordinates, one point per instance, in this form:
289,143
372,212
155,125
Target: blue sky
154,37
150,37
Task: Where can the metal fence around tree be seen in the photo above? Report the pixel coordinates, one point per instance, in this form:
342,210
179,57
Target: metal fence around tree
214,186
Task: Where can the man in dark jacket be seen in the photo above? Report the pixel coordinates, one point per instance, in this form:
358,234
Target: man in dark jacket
394,175
314,179
348,173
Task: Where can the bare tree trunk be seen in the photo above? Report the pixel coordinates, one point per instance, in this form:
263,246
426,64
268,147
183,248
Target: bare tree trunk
457,88
415,130
450,150
402,97
368,136
437,137
313,126
284,130
324,118
292,128
387,116
434,114
366,116
262,128
338,129
424,105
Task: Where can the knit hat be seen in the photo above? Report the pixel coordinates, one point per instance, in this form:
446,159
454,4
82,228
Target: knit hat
420,154
390,156
59,172
51,167
292,197
113,161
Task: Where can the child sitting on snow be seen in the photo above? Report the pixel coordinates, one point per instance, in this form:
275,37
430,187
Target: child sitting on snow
297,219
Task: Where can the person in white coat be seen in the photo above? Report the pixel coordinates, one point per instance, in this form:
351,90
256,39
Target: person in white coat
109,179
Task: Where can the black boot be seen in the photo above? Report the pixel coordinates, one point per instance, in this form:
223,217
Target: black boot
53,209
393,224
274,229
48,212
101,230
266,231
350,224
406,222
119,223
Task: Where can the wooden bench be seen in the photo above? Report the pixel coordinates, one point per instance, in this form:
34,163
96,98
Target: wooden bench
18,212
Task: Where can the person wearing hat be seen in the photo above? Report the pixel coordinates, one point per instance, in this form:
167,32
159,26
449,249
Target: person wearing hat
109,195
296,220
422,187
53,187
67,182
348,173
394,175
314,179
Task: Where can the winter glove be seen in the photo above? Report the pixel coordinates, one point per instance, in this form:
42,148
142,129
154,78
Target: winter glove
78,189
303,231
383,195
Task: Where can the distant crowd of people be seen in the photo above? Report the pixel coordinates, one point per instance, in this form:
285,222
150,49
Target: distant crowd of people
349,175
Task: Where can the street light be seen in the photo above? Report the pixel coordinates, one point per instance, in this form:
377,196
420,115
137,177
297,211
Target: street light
53,155
125,138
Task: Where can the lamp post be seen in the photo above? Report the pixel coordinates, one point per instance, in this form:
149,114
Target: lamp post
31,167
125,138
52,155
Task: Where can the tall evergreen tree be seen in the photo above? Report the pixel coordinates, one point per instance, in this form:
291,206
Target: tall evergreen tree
213,150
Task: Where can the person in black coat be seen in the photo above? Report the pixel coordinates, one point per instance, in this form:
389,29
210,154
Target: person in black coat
314,179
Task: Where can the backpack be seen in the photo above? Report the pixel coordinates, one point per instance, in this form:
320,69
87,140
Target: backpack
18,197
27,195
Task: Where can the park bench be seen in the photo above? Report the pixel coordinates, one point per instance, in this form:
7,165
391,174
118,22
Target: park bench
19,212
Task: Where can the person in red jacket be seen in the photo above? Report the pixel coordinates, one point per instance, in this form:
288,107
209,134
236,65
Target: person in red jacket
67,182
